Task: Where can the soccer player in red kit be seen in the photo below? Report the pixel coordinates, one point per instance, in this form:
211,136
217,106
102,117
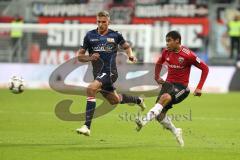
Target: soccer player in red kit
179,60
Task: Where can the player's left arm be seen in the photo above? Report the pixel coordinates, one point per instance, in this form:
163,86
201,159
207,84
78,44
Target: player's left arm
202,66
127,48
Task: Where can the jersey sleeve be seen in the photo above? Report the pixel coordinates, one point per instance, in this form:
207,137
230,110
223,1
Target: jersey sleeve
194,60
120,39
158,65
86,43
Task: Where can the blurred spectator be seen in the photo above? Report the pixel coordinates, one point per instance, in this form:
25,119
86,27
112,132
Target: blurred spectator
16,37
234,34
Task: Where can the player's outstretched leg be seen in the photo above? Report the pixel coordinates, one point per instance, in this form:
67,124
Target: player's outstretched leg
132,99
153,113
177,132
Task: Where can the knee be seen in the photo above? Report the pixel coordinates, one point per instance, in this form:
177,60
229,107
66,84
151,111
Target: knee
165,98
91,90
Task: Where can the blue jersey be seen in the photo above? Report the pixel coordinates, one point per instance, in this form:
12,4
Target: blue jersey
106,46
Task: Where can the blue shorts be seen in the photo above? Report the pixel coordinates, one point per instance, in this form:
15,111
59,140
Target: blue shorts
107,80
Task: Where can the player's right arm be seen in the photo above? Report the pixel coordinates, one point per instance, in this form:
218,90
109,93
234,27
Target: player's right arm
81,53
85,58
158,68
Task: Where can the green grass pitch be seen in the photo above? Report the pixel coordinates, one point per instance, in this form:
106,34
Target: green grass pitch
30,130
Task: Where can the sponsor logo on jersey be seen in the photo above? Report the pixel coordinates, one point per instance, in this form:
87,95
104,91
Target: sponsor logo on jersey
109,47
99,48
175,66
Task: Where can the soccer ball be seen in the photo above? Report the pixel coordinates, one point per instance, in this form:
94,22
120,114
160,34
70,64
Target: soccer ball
16,84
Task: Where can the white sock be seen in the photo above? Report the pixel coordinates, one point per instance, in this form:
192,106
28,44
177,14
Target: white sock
153,113
167,123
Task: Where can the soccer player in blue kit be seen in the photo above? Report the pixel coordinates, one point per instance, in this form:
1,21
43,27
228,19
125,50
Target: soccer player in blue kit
102,44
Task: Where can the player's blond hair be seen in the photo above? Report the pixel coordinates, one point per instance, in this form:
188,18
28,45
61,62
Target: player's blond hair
103,14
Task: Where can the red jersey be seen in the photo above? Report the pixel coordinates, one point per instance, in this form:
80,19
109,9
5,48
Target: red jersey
179,66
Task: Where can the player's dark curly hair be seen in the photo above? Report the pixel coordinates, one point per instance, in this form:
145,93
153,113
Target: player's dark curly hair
174,35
